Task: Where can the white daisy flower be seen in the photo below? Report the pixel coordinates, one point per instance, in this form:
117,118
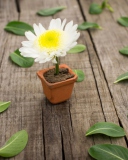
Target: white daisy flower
46,45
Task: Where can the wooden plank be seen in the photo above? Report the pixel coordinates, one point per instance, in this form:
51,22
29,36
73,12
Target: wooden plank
9,120
6,15
65,124
55,131
103,91
107,43
25,112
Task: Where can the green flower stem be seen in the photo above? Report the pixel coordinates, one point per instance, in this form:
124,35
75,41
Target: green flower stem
57,66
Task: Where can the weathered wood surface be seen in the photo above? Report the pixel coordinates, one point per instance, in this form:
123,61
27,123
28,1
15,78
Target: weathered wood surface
57,132
107,44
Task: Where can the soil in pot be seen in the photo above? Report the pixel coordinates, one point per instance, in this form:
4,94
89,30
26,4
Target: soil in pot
62,76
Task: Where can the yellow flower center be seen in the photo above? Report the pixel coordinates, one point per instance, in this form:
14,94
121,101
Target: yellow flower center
50,40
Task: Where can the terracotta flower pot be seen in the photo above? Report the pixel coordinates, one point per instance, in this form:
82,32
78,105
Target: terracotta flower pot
59,91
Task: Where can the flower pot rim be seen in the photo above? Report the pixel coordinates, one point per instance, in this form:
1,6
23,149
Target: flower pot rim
41,72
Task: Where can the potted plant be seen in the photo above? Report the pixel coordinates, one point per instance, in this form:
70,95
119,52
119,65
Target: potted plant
46,45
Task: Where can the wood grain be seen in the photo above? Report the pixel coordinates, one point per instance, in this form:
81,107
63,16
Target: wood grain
57,132
107,43
9,121
6,15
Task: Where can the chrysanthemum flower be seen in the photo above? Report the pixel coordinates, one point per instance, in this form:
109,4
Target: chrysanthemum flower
46,45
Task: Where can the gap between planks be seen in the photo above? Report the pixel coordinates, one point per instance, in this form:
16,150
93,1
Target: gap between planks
94,47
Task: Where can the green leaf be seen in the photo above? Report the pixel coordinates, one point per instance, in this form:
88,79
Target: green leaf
109,8
18,27
80,75
77,49
108,152
87,25
122,77
109,129
123,21
105,4
4,106
95,8
15,144
50,11
20,60
124,51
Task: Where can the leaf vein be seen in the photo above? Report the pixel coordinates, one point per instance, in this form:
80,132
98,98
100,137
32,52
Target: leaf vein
100,129
9,143
110,153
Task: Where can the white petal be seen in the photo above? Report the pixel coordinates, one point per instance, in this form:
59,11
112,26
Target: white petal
28,52
42,29
73,45
52,54
43,54
72,38
49,58
32,55
72,33
52,23
74,27
40,60
68,26
30,36
77,36
55,24
63,54
54,61
58,23
36,29
44,57
58,53
27,43
63,24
